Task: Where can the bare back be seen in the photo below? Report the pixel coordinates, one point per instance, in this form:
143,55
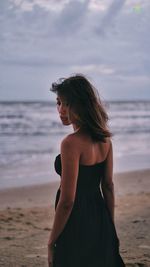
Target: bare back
90,152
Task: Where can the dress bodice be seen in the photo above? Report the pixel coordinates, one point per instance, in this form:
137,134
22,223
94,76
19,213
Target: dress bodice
89,176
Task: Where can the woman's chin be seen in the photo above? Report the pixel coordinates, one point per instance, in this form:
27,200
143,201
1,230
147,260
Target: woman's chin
65,122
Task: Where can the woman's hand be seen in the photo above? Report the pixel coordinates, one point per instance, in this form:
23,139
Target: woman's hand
50,255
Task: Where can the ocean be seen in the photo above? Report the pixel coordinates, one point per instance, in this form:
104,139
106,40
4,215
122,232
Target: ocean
31,134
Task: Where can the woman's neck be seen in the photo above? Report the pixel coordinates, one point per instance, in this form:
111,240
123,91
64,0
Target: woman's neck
76,127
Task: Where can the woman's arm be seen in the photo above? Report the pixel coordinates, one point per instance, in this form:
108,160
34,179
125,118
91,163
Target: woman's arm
70,165
107,184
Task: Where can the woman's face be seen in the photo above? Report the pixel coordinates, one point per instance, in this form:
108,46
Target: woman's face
63,110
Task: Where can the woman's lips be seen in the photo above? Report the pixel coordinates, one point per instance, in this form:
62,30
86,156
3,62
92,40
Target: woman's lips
63,118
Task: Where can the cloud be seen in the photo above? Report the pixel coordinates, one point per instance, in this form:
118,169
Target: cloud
111,13
97,6
48,5
58,41
71,18
94,69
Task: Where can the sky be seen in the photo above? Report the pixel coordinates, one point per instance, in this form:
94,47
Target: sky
44,40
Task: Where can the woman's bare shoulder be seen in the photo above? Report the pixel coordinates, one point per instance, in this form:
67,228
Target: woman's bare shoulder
71,140
69,148
77,141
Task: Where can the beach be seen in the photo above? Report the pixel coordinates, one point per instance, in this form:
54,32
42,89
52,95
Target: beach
27,216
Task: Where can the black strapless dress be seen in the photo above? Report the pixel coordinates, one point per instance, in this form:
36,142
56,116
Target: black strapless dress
89,238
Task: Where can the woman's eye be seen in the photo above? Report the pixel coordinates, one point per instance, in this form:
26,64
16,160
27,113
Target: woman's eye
66,104
63,104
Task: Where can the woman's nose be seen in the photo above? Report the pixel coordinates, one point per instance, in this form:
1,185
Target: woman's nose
62,110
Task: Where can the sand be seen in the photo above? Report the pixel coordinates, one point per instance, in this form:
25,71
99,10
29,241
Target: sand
26,217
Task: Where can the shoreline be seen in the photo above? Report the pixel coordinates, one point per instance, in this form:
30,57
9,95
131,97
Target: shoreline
29,194
41,171
27,215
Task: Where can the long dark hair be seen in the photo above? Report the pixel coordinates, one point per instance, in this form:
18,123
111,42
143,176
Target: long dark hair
83,98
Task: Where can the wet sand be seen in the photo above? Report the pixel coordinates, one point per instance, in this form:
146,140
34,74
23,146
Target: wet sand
26,217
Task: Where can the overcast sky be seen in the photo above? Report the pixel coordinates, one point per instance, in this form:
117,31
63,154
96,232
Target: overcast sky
43,40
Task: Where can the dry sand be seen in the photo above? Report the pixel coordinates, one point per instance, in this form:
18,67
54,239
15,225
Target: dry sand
26,217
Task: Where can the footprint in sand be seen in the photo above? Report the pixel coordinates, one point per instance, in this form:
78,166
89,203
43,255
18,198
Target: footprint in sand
9,238
8,219
47,229
34,212
136,221
29,223
20,214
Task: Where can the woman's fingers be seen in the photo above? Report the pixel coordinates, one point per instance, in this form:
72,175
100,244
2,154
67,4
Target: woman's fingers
50,256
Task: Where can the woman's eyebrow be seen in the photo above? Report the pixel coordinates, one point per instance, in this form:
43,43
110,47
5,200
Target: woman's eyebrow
60,99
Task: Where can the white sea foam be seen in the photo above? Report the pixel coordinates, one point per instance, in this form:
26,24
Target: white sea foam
30,134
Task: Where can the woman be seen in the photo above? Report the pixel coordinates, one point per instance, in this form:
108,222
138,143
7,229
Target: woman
83,233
